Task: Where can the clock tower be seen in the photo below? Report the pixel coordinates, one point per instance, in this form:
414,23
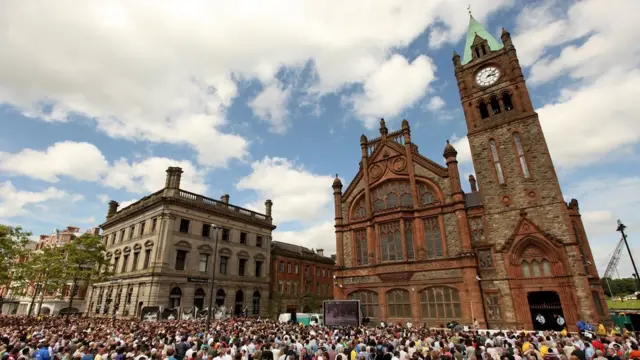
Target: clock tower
528,228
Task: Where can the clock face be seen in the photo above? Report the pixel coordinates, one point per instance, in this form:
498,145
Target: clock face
488,76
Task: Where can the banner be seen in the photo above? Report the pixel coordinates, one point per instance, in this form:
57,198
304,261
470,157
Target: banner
150,313
202,313
189,314
171,314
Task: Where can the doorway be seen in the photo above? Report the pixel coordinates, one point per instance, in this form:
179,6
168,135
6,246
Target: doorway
546,310
239,304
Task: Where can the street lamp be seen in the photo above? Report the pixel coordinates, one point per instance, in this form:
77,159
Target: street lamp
216,229
621,228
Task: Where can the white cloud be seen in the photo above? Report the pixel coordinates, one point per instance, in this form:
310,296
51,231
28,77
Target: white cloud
435,103
297,194
87,220
271,105
13,202
104,198
124,204
462,147
409,82
318,236
78,160
164,72
83,161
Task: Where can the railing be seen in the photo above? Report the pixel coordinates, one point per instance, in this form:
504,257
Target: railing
221,205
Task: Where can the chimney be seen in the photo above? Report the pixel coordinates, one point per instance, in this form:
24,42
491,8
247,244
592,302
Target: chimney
173,178
268,204
225,198
113,208
472,182
320,252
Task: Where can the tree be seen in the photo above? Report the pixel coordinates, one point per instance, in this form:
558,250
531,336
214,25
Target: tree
619,287
12,246
85,261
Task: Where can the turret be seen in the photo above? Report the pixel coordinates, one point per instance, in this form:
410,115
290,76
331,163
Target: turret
383,129
472,183
450,154
113,208
173,178
406,131
267,207
225,198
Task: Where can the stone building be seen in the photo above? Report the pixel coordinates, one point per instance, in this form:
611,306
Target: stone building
17,301
163,251
301,278
411,245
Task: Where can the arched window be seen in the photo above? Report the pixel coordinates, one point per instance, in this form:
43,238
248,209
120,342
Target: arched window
220,296
495,105
391,241
408,237
398,304
496,161
368,302
521,157
239,304
536,268
506,101
198,298
362,252
484,112
175,296
484,50
425,194
390,195
360,211
440,302
256,303
585,261
477,52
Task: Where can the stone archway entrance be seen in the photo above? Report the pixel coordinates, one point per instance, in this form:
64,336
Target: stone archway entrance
546,310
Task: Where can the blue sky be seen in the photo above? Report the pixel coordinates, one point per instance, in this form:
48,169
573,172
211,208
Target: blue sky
268,100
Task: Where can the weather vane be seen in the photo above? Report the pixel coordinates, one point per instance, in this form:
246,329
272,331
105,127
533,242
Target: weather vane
469,9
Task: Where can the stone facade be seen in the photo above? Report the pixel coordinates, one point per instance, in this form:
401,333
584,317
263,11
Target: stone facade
500,254
301,278
165,246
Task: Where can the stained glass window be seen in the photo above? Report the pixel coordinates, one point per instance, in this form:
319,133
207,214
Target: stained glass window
398,304
433,238
362,256
441,303
391,241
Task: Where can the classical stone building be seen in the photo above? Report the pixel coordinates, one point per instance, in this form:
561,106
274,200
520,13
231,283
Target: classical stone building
411,245
163,247
301,278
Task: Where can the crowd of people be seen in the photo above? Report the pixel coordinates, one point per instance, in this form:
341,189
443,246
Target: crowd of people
60,338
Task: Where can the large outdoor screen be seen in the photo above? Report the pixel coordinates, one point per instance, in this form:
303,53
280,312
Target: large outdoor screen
342,313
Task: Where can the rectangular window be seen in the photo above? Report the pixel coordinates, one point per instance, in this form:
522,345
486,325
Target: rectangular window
122,236
242,264
115,264
362,257
496,161
493,307
307,288
259,241
184,226
408,237
243,238
125,260
295,288
289,268
323,273
204,262
147,258
391,241
477,231
288,288
281,266
225,234
154,222
433,238
295,268
206,230
181,259
134,266
281,285
307,270
224,261
142,227
258,268
485,260
132,229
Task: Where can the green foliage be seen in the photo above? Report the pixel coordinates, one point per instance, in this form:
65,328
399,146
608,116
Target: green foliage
85,259
45,266
619,287
12,246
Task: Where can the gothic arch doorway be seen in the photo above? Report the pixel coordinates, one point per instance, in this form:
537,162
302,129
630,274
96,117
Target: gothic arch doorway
546,310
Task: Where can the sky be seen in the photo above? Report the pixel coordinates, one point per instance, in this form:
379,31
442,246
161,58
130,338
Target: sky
267,100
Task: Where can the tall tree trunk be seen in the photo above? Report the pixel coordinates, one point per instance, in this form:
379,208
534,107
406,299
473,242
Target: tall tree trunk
44,290
33,299
73,292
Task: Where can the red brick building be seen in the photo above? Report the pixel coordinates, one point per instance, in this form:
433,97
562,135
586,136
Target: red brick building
300,278
411,245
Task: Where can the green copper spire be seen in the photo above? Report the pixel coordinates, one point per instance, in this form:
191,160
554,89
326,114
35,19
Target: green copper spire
475,28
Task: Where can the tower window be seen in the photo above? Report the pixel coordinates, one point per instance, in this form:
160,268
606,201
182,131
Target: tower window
506,101
496,161
484,50
477,52
521,157
495,105
484,113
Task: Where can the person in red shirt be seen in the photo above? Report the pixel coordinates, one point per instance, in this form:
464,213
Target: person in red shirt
597,344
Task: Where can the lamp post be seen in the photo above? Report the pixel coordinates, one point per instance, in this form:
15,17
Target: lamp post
621,228
216,229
